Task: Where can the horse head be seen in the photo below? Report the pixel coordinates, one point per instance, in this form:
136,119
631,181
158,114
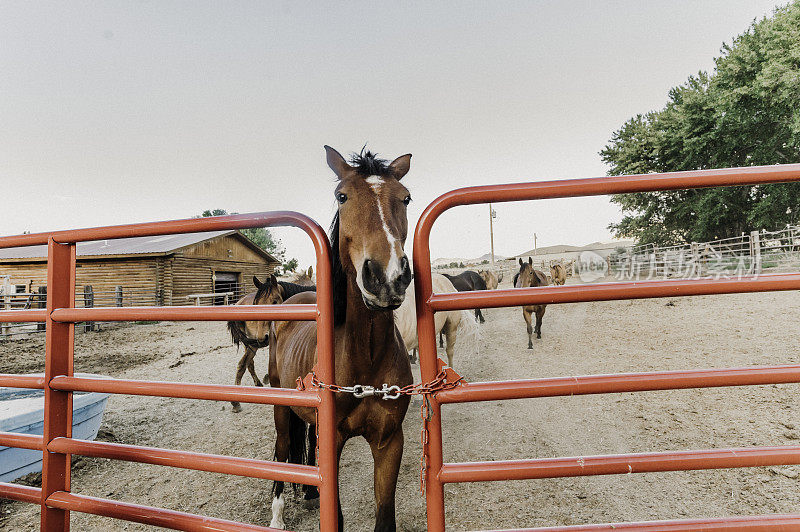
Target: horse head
372,226
525,276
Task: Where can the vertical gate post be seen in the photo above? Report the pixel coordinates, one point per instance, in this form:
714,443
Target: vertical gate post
328,462
432,428
59,346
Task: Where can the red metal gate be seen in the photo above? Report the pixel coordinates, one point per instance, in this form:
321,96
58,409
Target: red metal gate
55,496
438,473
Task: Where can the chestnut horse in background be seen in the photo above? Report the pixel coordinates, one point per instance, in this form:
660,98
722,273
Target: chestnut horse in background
370,276
558,274
255,334
526,277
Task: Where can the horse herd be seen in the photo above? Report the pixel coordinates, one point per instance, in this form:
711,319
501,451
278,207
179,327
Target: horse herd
374,326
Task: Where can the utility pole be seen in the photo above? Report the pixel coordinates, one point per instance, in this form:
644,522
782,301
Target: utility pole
534,243
492,214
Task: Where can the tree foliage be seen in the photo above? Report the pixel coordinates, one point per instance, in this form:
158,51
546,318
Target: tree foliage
263,238
746,113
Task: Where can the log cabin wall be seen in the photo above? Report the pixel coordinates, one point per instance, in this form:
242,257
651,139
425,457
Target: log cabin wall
156,278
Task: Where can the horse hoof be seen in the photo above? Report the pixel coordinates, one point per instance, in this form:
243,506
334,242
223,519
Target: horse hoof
530,346
236,408
311,504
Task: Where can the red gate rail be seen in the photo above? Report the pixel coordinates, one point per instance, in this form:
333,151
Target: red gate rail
437,473
59,382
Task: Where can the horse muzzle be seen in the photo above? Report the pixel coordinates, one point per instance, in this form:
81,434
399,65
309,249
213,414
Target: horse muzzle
380,293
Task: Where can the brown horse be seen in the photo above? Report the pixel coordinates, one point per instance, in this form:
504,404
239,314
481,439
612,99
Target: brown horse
558,274
526,277
255,334
370,276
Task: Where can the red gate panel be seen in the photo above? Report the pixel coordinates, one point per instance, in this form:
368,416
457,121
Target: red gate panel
438,473
55,496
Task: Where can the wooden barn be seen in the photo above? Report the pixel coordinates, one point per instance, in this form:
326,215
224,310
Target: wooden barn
158,270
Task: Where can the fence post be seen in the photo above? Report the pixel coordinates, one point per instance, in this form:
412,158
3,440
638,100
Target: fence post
697,259
59,349
88,302
41,303
6,306
755,251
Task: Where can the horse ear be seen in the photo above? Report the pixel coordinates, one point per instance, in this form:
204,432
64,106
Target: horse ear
311,271
400,166
272,280
256,282
520,261
530,261
336,162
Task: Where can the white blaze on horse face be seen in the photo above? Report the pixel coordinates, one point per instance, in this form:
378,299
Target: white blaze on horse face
393,269
277,513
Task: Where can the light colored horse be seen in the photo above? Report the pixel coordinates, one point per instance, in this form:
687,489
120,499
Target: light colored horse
492,279
305,277
453,323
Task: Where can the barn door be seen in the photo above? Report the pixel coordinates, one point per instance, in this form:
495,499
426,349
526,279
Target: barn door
225,283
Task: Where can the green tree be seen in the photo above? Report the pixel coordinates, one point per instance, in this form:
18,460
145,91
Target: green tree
746,113
263,238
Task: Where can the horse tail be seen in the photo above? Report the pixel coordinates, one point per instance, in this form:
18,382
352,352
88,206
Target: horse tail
298,432
468,331
236,333
298,444
298,440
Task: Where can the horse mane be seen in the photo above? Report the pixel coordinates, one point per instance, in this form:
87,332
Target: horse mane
514,280
263,290
290,289
367,164
339,277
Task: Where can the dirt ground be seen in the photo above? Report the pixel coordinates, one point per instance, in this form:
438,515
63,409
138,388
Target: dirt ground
587,338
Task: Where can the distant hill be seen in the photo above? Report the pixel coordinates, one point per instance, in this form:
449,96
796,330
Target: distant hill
447,260
547,252
601,248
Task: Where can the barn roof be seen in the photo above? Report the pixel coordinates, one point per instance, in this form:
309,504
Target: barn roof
140,245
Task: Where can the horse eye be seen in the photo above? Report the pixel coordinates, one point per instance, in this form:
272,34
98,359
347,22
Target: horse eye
407,200
341,197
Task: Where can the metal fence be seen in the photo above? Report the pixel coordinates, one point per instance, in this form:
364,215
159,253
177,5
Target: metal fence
56,496
437,473
751,252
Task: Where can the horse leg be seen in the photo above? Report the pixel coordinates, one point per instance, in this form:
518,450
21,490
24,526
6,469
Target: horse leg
450,331
386,453
413,356
282,421
479,316
340,441
539,316
441,339
311,497
251,366
239,373
527,315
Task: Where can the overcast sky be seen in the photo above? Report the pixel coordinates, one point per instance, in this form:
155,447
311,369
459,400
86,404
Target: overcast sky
121,112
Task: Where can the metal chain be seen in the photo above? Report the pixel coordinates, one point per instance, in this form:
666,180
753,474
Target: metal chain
387,392
446,379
